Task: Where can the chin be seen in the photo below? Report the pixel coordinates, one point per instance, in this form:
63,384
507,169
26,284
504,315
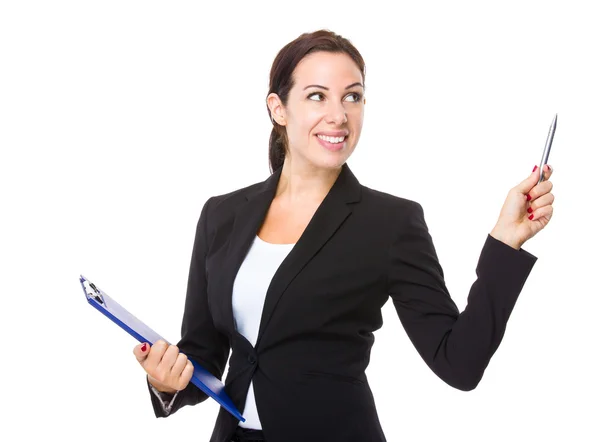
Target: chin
331,161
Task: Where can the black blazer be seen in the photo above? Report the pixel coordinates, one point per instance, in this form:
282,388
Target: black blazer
361,247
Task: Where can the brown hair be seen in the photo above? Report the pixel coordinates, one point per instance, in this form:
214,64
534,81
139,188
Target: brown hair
281,81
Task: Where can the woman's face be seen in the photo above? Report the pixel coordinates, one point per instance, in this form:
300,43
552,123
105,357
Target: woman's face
325,105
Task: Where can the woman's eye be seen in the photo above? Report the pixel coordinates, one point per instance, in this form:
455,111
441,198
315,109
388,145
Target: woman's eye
356,96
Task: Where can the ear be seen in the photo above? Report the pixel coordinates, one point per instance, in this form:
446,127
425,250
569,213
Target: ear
277,109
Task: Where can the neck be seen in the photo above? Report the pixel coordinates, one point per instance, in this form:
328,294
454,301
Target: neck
302,182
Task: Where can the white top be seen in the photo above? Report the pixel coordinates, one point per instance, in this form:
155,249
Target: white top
249,292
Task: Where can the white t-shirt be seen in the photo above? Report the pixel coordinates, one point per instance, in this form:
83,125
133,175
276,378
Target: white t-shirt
249,292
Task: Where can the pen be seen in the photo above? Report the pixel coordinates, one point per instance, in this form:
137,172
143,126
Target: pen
546,153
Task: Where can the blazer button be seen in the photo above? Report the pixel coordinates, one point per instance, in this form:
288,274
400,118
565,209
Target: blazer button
251,359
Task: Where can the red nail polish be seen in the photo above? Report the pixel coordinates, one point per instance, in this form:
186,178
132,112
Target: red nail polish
534,169
529,210
528,197
531,216
144,347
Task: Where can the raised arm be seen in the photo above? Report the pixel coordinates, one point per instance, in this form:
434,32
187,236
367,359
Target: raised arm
456,346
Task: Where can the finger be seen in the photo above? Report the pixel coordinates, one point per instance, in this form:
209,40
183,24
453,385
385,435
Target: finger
179,365
548,171
525,186
544,200
156,353
141,351
186,375
542,212
543,188
166,363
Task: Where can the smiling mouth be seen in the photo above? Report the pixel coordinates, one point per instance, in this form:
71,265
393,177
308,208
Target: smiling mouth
332,144
332,140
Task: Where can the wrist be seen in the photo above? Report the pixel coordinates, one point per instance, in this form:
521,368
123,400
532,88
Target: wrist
497,234
160,387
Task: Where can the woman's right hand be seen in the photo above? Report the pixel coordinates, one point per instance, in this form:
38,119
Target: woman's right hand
168,370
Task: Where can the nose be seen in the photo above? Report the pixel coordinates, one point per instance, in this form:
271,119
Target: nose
337,115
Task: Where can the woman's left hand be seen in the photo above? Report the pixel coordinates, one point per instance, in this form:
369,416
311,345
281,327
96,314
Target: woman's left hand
526,211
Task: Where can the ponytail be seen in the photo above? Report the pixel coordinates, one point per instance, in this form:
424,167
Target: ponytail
276,150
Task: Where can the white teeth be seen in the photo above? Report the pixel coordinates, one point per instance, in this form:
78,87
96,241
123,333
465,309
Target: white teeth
331,139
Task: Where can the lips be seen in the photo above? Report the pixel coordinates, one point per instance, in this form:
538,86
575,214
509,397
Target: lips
333,147
334,133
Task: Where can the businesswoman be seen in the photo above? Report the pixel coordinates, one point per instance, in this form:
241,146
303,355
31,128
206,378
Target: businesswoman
290,274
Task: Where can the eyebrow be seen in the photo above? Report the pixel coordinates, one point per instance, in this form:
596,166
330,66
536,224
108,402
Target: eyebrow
326,88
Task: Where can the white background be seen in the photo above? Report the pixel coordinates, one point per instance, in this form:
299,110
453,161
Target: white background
119,119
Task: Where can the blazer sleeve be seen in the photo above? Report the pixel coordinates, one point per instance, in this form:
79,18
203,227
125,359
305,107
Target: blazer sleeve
166,399
456,346
200,340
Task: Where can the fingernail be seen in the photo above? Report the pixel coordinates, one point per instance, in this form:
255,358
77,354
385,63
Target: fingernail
534,169
531,216
144,347
528,197
530,210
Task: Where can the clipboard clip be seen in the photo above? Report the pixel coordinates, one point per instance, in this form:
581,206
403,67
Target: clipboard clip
90,290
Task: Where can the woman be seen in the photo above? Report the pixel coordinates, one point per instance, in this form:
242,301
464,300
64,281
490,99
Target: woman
291,273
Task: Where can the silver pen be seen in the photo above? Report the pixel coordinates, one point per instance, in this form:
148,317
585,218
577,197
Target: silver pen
546,153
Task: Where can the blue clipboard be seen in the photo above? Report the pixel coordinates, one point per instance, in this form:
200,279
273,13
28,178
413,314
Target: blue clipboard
201,378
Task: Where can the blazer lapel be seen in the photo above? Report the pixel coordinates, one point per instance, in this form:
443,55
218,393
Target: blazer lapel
327,219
